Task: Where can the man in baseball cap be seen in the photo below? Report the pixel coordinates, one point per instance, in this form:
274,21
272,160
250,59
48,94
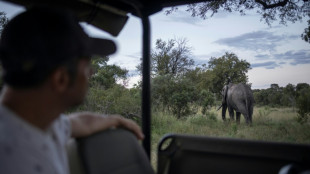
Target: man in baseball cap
45,57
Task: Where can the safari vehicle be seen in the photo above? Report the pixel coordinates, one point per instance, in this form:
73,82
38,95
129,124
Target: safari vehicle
117,151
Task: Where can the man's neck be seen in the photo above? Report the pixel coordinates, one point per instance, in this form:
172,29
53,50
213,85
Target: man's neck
35,106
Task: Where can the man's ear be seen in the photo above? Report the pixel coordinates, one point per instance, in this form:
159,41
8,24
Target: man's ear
60,79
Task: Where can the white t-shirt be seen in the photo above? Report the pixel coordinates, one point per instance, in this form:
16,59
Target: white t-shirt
25,149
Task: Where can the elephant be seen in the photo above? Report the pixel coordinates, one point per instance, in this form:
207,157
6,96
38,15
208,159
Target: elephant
239,98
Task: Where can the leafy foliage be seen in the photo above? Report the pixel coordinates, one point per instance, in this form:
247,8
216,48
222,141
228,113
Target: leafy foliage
171,57
269,10
303,105
199,77
227,67
3,21
288,96
276,96
106,96
180,89
115,100
306,34
173,94
207,100
105,75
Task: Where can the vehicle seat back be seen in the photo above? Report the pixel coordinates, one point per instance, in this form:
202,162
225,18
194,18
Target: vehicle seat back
184,154
115,151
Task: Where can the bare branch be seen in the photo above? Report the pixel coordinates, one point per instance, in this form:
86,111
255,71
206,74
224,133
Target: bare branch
268,6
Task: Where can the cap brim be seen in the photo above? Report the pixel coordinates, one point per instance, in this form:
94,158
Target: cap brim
100,47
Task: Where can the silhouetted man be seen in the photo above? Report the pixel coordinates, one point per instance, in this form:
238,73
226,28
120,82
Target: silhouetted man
45,56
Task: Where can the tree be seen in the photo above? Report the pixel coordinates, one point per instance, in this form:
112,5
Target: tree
200,77
3,21
286,96
206,100
183,95
300,87
290,90
171,57
269,10
303,105
306,34
161,91
177,95
227,67
171,90
108,97
274,95
105,75
289,95
275,87
97,62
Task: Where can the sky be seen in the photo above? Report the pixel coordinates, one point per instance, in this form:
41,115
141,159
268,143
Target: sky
276,53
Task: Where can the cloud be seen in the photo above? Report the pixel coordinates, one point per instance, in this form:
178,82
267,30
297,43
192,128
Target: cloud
276,60
295,57
137,55
133,73
262,56
267,65
201,59
282,63
256,41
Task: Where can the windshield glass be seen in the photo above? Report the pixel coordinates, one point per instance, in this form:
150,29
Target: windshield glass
240,74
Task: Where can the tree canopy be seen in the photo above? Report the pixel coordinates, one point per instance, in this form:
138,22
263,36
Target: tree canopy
105,75
171,57
3,21
228,66
289,96
269,10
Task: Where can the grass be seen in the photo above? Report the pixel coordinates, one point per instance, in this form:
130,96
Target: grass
269,124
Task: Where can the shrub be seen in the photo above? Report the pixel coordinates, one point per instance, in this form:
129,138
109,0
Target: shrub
303,105
207,100
115,100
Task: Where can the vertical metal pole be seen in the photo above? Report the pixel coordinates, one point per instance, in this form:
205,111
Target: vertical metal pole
146,85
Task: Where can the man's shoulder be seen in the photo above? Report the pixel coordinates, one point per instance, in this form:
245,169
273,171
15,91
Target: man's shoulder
7,127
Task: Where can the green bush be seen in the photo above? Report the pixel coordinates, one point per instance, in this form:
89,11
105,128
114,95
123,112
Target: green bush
207,100
303,105
211,116
198,120
174,95
115,100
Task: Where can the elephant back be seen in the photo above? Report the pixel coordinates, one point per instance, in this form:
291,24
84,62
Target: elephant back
240,95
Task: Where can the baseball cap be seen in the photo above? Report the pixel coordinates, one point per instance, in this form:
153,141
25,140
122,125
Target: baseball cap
43,38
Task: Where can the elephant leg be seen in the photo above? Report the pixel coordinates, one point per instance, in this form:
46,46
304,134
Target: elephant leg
247,119
238,114
231,113
251,114
250,120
